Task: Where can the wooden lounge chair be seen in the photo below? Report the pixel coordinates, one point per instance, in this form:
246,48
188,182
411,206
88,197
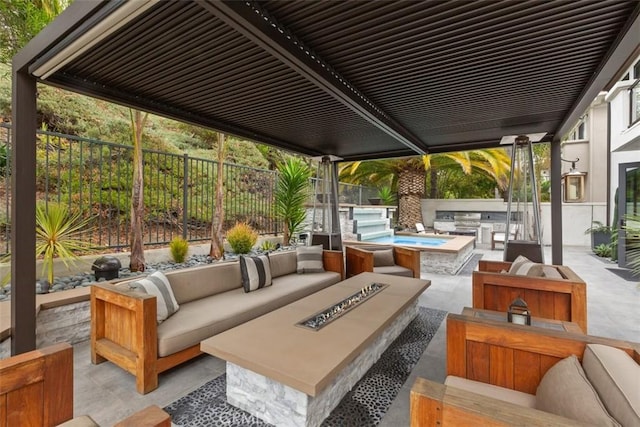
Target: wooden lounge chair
500,236
401,261
36,389
561,294
512,357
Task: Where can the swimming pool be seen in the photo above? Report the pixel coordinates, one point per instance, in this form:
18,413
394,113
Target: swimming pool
410,240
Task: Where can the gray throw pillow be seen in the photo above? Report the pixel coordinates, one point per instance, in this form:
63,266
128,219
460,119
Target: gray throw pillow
158,285
309,259
383,258
255,272
564,390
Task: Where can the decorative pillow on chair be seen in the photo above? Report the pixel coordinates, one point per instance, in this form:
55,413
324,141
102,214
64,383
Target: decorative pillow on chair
255,272
524,267
383,258
564,390
158,285
309,259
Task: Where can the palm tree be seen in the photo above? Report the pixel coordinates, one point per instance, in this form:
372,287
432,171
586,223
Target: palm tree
407,175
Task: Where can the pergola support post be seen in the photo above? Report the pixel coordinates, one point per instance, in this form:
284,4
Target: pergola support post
556,203
23,207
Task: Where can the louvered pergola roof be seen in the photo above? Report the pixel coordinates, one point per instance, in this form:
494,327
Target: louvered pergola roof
355,79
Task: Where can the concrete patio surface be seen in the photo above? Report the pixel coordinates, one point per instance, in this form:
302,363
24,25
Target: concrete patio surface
107,393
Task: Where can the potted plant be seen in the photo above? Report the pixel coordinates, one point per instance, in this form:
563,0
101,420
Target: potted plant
600,234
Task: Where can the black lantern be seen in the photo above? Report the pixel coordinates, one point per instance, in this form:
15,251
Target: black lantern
519,312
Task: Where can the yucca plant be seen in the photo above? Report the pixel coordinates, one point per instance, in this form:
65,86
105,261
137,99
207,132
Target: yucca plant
56,232
291,195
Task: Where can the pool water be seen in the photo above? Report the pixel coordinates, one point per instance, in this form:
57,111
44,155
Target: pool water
410,240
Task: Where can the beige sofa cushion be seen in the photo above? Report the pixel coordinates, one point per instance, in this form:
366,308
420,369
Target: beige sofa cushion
616,378
490,390
83,421
282,263
395,270
203,318
564,390
190,284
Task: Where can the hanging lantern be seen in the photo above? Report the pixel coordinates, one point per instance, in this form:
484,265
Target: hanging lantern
519,312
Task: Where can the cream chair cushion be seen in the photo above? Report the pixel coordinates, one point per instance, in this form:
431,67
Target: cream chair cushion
616,378
565,390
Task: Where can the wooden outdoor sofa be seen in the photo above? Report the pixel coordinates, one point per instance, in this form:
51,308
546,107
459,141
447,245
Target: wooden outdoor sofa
382,259
513,357
124,328
36,389
561,294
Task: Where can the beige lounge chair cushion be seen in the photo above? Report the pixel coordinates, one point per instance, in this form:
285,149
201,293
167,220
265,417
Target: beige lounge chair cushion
203,318
83,421
494,391
394,270
616,378
551,272
565,390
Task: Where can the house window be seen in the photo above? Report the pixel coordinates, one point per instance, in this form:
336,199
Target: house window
581,131
636,70
634,103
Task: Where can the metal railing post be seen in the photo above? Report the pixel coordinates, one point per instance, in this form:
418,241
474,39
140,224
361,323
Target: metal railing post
185,186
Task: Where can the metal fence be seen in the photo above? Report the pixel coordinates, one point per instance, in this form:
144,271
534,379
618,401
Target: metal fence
94,178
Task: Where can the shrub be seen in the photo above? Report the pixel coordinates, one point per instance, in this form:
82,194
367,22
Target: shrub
603,251
242,238
179,248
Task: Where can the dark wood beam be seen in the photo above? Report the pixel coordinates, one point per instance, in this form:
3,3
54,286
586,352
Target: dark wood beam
23,213
556,202
254,23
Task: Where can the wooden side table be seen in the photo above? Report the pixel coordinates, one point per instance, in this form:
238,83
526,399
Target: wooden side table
558,325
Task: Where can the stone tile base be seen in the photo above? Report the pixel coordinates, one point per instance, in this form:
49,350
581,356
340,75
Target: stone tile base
444,263
282,405
67,323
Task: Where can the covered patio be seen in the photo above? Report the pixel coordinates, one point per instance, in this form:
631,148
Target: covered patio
356,80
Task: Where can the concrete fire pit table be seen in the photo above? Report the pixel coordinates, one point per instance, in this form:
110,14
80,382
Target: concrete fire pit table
290,375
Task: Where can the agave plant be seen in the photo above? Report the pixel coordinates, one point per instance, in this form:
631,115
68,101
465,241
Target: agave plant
56,235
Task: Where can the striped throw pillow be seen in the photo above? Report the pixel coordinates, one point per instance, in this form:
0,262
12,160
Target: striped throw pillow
255,272
309,259
524,267
158,285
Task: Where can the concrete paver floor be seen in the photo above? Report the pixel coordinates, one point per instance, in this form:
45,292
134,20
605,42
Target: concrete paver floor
107,393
